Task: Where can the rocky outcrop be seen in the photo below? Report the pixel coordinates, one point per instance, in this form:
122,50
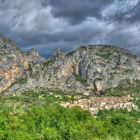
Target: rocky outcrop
94,69
88,69
13,63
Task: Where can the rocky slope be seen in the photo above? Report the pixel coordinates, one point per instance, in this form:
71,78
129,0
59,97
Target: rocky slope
88,69
13,63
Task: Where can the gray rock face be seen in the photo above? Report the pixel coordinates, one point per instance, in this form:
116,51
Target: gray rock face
87,70
94,68
13,63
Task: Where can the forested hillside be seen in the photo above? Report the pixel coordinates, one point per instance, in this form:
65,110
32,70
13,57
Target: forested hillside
34,116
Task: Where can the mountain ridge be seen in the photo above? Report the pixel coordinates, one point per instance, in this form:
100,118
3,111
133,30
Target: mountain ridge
90,69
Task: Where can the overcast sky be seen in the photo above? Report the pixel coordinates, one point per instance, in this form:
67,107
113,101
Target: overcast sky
66,24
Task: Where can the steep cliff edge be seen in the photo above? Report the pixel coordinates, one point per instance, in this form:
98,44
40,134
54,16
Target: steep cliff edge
13,63
89,69
94,69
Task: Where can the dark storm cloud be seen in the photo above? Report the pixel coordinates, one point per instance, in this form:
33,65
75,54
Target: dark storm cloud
66,24
123,10
78,10
134,13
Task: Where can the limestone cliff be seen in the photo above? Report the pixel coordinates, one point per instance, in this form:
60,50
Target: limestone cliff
95,68
13,63
88,69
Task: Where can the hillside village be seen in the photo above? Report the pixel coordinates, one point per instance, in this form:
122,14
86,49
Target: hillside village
94,104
